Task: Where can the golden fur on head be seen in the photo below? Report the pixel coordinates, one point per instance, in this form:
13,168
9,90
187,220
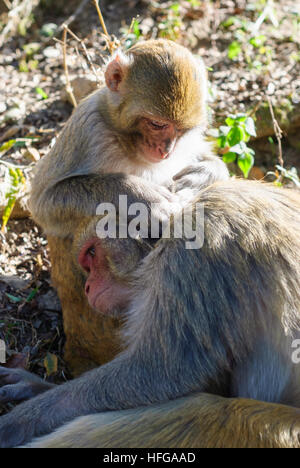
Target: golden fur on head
166,80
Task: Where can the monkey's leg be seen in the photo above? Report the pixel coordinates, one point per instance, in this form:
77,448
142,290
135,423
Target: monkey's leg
197,421
91,338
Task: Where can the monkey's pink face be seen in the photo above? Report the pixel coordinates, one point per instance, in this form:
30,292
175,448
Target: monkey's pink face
103,291
158,139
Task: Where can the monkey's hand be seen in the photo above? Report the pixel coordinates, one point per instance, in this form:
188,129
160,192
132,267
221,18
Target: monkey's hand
18,384
60,208
42,414
193,178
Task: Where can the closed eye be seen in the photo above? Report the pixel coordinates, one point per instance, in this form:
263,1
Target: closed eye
157,125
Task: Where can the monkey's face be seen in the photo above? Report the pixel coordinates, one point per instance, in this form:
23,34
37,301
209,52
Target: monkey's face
156,92
158,139
105,292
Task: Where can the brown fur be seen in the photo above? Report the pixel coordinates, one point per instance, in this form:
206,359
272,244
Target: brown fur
159,79
197,421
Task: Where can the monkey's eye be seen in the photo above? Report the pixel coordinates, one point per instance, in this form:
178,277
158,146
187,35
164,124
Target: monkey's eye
157,125
91,251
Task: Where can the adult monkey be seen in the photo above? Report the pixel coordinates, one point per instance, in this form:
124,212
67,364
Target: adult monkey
220,319
148,121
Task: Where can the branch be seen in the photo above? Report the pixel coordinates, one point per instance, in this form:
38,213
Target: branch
278,132
68,84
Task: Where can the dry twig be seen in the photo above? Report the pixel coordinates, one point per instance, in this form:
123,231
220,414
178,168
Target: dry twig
278,132
85,51
112,44
68,84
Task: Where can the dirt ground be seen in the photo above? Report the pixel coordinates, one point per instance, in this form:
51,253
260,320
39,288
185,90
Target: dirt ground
33,109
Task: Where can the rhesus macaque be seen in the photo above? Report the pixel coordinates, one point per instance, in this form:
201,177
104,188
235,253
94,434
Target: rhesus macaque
220,319
147,121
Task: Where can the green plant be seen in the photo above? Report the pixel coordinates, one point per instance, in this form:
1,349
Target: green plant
281,174
41,93
232,139
15,180
27,62
248,41
131,34
171,24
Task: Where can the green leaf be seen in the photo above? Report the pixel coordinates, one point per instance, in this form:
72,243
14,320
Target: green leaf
240,148
245,163
48,29
50,363
258,41
241,117
175,7
136,29
250,126
235,135
22,26
42,93
221,141
230,120
21,142
229,22
7,145
224,130
31,48
17,179
32,294
229,157
234,50
13,298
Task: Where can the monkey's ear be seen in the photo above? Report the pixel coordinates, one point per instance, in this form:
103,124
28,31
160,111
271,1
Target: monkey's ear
114,73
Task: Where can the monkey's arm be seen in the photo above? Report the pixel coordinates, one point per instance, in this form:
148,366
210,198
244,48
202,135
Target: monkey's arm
18,384
60,208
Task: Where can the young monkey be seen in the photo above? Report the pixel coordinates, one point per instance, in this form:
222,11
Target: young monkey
147,121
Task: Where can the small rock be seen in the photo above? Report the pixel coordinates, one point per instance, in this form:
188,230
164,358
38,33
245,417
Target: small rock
2,107
14,281
51,52
14,114
271,88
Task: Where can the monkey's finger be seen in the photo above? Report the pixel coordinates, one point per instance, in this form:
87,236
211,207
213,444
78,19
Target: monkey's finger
16,392
21,391
8,376
187,170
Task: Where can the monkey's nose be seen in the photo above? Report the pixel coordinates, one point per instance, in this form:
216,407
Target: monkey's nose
164,154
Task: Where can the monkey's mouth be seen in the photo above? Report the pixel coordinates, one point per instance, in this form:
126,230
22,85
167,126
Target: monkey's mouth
94,301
